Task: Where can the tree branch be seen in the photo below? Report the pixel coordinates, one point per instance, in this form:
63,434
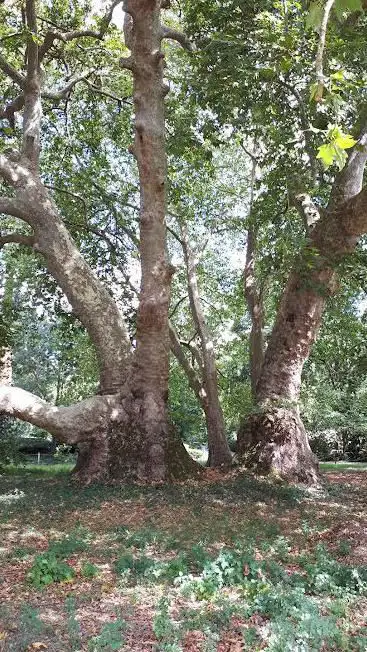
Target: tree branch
65,37
319,64
72,424
348,183
64,92
10,206
32,92
11,72
16,238
192,376
176,35
307,209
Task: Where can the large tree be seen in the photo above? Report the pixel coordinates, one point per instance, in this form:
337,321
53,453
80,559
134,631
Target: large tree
124,431
266,58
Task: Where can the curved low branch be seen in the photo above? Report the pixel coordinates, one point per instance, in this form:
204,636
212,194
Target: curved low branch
72,424
16,238
11,72
180,37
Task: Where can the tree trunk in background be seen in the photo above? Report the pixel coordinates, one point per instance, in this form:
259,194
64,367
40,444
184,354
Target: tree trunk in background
274,440
219,451
256,309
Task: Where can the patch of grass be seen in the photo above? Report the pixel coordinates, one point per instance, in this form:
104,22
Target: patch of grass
343,466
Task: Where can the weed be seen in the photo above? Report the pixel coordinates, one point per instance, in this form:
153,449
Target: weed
89,570
67,546
110,639
165,629
47,568
73,625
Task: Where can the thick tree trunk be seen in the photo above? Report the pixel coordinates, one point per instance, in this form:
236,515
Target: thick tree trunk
274,440
124,434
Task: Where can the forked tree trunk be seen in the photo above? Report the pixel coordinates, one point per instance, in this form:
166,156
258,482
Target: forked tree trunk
273,440
124,433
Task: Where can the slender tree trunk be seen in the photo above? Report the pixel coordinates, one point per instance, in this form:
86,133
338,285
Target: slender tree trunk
274,440
219,451
252,293
256,309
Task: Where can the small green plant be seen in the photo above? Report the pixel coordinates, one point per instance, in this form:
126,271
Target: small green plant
344,548
47,569
135,566
73,624
88,570
165,629
111,637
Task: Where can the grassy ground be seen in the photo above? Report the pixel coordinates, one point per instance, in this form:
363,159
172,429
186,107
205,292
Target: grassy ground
224,565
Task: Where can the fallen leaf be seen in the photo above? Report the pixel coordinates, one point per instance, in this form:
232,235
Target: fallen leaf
38,645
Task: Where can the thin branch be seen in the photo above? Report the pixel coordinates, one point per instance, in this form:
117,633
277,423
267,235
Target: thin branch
64,92
59,35
177,305
191,374
319,62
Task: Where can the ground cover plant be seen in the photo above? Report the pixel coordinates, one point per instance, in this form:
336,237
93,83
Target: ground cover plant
239,564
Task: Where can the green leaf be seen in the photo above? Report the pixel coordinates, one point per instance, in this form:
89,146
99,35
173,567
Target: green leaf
338,75
346,6
327,154
345,141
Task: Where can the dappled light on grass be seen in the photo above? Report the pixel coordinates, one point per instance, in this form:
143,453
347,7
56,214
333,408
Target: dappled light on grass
239,564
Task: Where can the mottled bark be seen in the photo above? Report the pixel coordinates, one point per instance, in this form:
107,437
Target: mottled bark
253,294
274,439
6,366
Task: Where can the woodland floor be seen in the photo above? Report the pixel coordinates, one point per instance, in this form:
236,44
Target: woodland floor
225,565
